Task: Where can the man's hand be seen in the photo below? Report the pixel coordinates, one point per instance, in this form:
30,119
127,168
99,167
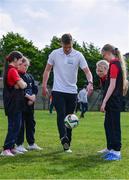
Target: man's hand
90,80
90,89
45,79
44,91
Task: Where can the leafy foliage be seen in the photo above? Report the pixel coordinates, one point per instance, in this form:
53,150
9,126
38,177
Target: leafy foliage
12,41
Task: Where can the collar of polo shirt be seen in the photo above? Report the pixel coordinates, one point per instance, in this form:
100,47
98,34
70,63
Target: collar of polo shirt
72,53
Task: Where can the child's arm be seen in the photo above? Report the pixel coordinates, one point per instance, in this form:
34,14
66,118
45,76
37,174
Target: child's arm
109,93
20,84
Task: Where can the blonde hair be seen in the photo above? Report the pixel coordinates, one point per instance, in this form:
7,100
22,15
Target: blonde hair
103,63
26,60
115,51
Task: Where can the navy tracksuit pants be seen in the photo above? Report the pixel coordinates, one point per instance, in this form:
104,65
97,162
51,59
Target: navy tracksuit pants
14,125
113,130
28,124
84,108
65,104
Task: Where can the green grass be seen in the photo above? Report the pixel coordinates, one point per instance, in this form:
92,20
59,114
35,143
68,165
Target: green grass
52,163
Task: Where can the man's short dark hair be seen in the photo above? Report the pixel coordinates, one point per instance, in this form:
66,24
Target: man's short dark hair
66,39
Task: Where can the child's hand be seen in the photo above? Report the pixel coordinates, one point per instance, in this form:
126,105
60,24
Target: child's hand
102,109
16,86
30,103
33,98
27,96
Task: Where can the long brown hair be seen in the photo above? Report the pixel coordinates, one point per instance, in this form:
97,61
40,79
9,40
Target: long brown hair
115,51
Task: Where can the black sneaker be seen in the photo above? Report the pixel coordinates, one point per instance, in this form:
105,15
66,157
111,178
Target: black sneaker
65,143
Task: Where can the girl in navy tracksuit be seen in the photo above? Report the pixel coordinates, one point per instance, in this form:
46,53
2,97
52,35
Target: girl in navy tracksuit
13,97
28,120
115,87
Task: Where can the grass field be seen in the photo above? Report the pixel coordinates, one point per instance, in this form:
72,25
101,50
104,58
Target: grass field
53,163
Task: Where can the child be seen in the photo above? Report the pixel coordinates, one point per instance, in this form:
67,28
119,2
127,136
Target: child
82,97
102,67
115,87
13,101
28,114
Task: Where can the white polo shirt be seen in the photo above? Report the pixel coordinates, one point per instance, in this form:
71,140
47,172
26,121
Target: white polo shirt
65,68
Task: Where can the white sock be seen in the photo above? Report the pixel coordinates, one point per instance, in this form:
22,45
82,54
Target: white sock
118,153
109,150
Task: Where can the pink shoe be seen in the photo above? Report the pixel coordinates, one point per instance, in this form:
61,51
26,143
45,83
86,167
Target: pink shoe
6,152
15,151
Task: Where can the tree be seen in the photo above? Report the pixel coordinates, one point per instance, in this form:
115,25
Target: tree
14,41
92,55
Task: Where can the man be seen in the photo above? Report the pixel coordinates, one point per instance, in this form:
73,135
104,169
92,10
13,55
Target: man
82,98
65,62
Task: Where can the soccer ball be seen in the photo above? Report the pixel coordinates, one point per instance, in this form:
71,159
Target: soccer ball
71,121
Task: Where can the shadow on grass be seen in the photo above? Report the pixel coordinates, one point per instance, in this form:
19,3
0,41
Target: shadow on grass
55,159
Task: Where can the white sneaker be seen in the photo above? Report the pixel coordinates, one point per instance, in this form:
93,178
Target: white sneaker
15,151
21,148
6,152
103,151
34,147
68,151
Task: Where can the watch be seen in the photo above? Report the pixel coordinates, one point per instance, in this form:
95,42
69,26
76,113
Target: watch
90,82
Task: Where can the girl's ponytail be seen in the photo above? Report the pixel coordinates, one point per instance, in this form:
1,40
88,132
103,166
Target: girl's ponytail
124,71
